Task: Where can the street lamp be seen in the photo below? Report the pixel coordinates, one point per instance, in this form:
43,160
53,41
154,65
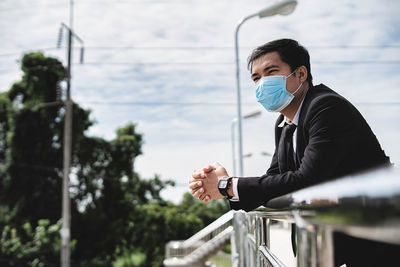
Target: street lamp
282,7
234,121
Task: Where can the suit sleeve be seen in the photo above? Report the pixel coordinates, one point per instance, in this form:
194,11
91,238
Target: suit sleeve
330,132
274,167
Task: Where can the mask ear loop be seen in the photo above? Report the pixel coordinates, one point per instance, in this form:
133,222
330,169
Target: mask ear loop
292,73
299,85
297,89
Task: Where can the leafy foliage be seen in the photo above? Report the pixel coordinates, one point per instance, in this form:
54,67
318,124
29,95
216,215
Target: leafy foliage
115,213
38,247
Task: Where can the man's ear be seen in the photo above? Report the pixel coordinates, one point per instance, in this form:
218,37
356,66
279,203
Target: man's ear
302,73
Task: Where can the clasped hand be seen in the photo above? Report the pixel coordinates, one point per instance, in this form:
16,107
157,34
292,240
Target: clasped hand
204,182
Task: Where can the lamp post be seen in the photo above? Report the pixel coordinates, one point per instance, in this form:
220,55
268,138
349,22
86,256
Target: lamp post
234,121
282,7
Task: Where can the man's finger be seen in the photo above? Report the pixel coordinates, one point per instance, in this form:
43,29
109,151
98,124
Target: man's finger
198,193
206,199
195,184
198,174
208,168
195,173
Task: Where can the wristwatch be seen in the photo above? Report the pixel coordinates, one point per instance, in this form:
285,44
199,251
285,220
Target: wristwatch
223,185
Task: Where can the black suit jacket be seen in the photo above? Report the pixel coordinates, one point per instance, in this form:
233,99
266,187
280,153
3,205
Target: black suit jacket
333,140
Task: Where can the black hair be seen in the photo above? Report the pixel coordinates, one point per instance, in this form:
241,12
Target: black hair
290,52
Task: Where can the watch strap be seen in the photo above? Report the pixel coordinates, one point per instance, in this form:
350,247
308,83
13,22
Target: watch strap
224,191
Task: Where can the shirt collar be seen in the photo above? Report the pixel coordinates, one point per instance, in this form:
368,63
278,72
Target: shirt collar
296,116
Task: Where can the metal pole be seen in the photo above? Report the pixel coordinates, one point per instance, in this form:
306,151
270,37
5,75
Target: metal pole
66,208
239,110
233,125
233,146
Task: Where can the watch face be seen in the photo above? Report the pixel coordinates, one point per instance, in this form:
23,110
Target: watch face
223,184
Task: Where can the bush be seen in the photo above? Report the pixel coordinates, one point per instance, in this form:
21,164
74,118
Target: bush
25,247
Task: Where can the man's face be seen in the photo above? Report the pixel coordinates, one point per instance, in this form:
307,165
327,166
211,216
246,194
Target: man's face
271,64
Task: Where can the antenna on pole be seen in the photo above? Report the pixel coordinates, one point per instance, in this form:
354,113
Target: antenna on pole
60,36
81,57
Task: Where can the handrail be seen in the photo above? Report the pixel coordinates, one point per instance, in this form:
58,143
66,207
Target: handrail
178,253
364,206
203,252
227,217
380,183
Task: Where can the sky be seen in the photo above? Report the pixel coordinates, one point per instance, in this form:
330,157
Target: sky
169,67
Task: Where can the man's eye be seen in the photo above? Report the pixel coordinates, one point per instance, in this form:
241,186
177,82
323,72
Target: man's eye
256,80
272,71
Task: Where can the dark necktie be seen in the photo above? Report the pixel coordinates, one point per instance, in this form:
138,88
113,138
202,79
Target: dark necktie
285,150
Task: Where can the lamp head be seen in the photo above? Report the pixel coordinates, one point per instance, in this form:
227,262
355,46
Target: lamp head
281,7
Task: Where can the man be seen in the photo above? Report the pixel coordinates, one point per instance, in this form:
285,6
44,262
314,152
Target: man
318,136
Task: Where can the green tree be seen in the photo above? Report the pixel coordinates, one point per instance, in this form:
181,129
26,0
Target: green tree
105,188
5,108
206,212
114,211
24,246
30,144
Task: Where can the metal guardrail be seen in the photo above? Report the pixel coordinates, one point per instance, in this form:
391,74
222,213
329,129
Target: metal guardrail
197,249
353,220
199,256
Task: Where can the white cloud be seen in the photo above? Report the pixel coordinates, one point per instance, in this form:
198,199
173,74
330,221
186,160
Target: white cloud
181,138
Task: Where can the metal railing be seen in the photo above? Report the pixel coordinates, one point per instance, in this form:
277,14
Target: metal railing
353,220
198,248
317,225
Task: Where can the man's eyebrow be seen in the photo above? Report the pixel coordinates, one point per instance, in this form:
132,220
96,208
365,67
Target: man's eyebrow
266,69
270,67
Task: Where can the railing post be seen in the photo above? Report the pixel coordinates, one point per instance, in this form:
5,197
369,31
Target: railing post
235,244
261,235
244,241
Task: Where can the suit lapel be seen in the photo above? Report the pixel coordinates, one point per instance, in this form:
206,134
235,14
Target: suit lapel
300,144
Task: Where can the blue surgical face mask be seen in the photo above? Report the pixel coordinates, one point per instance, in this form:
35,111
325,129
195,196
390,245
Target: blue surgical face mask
271,92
